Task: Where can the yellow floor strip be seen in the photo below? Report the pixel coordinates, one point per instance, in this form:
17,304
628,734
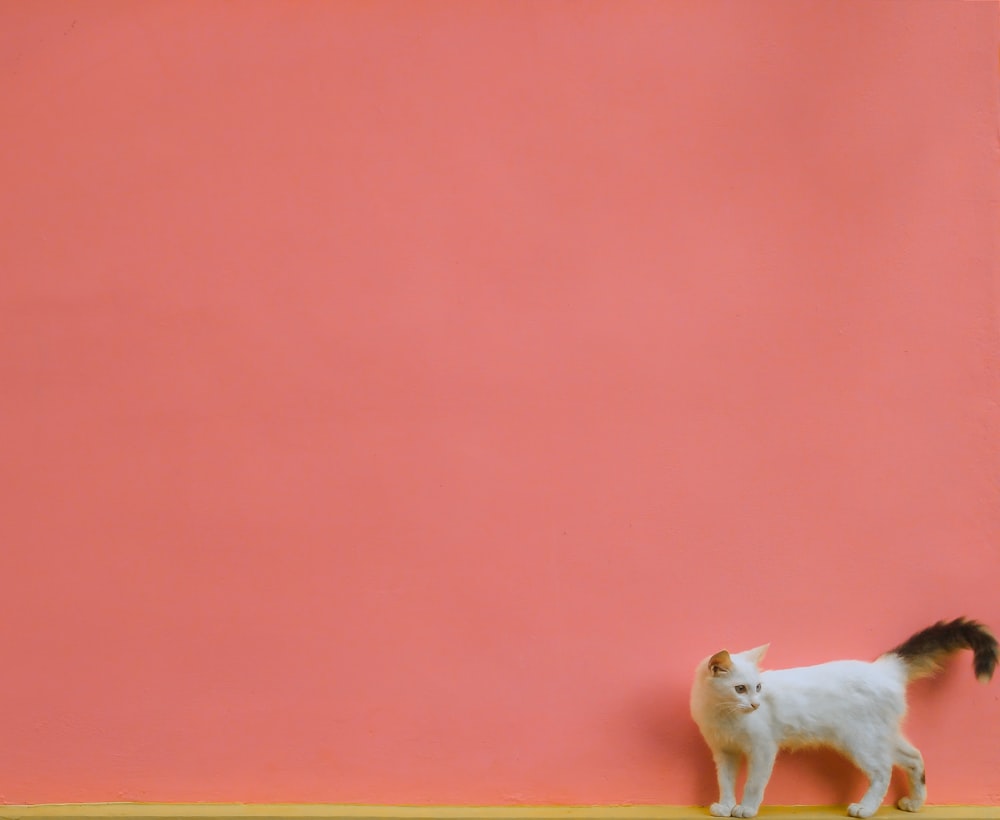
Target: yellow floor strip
306,811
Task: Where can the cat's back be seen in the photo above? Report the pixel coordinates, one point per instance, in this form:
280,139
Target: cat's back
805,694
838,674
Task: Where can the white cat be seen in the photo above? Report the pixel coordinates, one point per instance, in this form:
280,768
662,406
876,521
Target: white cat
856,707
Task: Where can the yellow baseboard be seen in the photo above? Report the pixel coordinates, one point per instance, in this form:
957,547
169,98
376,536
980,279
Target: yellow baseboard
316,811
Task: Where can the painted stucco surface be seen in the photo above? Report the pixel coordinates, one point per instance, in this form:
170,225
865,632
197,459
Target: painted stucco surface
398,400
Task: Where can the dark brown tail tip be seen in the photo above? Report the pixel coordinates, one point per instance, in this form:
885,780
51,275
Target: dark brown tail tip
984,651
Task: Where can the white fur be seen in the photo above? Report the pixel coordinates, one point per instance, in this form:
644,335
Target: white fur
855,707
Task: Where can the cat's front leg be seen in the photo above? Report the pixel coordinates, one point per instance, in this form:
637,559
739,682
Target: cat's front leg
727,764
760,762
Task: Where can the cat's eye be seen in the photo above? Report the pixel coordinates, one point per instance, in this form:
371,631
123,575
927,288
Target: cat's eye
741,689
758,687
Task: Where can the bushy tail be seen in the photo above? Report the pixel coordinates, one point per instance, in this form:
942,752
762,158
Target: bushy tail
923,653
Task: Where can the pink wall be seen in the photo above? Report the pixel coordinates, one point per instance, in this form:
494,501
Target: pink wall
399,399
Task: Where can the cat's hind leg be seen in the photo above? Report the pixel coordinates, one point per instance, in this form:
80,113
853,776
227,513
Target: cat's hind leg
878,769
910,761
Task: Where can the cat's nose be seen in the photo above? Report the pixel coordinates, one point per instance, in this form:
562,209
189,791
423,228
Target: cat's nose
754,705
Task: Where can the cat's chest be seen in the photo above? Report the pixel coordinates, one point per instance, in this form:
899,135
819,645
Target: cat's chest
739,735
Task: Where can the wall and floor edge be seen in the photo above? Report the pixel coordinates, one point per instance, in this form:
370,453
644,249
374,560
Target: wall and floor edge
322,811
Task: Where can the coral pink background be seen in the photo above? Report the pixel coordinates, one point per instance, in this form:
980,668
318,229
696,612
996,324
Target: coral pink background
399,399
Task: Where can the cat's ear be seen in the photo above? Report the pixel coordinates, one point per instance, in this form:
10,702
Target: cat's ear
757,653
720,663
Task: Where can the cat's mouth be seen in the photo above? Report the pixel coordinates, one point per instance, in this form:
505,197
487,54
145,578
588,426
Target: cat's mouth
732,709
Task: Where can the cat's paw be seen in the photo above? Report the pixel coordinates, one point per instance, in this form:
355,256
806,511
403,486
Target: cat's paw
910,804
721,809
860,810
743,811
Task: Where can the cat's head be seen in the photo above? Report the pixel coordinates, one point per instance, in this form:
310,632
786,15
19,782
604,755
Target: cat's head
731,684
